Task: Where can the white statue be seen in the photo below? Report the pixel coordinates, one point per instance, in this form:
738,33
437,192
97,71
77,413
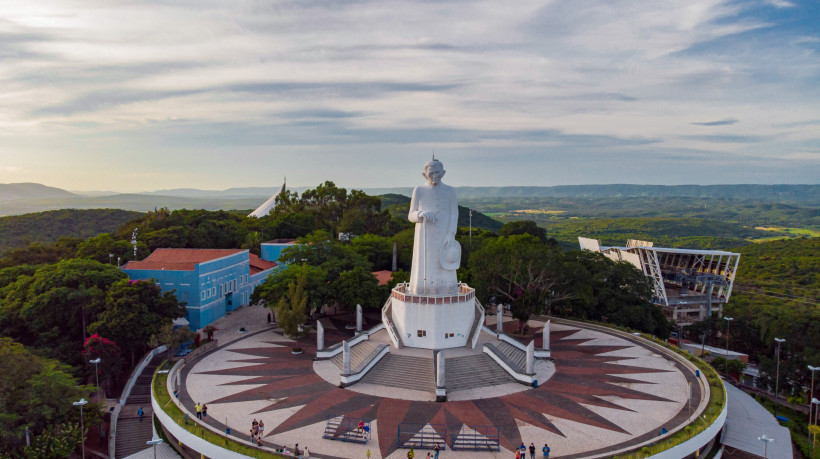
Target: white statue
436,253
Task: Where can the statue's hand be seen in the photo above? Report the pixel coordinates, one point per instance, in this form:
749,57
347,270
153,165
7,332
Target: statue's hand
427,217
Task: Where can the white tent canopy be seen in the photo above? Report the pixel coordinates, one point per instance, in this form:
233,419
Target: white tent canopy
265,208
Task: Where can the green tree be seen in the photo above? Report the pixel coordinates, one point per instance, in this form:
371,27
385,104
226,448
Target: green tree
519,270
35,392
358,286
49,309
290,311
101,246
523,227
172,337
135,310
278,283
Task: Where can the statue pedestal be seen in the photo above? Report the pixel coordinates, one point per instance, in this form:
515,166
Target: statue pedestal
434,321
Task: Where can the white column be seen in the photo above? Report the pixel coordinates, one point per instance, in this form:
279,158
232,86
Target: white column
531,358
546,344
320,336
440,376
499,325
358,318
346,357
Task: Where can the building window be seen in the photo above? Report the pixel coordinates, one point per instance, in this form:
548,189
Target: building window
203,295
422,333
449,335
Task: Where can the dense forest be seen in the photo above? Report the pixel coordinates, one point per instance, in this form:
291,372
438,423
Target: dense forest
46,227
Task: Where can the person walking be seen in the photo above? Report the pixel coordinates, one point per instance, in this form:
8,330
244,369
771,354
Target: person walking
436,450
198,408
546,450
261,428
532,450
411,454
140,413
360,427
204,411
368,454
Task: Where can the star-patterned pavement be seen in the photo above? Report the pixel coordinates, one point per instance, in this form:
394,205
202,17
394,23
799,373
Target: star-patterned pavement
607,393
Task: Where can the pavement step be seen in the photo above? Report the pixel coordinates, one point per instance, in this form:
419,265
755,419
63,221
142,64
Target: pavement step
403,371
474,371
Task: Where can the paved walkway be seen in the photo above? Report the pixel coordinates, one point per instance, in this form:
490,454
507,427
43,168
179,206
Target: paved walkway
606,392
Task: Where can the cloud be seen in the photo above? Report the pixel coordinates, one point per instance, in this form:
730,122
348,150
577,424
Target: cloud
120,84
11,168
780,3
724,122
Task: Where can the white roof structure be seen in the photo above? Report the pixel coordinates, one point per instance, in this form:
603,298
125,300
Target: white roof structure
677,268
266,207
747,420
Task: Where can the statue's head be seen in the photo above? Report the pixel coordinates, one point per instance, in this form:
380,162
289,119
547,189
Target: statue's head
433,171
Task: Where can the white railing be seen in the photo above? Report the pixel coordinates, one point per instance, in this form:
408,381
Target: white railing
387,318
126,391
347,380
479,323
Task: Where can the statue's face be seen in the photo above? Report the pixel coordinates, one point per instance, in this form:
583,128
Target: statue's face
434,175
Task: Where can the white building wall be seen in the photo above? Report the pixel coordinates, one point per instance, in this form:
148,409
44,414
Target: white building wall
438,321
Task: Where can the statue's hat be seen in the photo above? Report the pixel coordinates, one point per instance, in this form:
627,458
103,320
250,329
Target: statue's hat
451,255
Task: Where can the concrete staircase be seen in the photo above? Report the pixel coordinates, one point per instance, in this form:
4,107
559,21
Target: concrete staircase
516,355
358,353
403,371
131,433
474,371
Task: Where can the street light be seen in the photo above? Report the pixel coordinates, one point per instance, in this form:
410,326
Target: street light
766,442
811,395
96,375
777,377
814,401
81,404
727,319
154,442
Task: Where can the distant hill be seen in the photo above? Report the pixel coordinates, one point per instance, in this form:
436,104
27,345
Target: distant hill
45,227
399,205
14,191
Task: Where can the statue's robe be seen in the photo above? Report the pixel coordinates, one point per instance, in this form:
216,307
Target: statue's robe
427,276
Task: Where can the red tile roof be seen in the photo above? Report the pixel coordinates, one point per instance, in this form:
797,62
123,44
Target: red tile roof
179,259
383,276
257,265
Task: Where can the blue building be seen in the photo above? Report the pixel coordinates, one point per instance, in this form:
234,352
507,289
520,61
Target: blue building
272,249
210,281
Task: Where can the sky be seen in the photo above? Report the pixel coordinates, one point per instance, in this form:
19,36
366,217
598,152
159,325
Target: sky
146,95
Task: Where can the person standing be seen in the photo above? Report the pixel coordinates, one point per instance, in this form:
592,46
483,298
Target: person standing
546,450
198,408
436,450
204,411
261,428
368,454
140,413
523,450
411,454
532,450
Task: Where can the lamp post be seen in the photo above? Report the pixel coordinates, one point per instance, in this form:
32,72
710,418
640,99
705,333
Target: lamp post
814,401
96,375
154,442
727,319
811,395
777,377
81,404
766,442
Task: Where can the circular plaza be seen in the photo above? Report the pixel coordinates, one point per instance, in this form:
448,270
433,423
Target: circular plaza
601,392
